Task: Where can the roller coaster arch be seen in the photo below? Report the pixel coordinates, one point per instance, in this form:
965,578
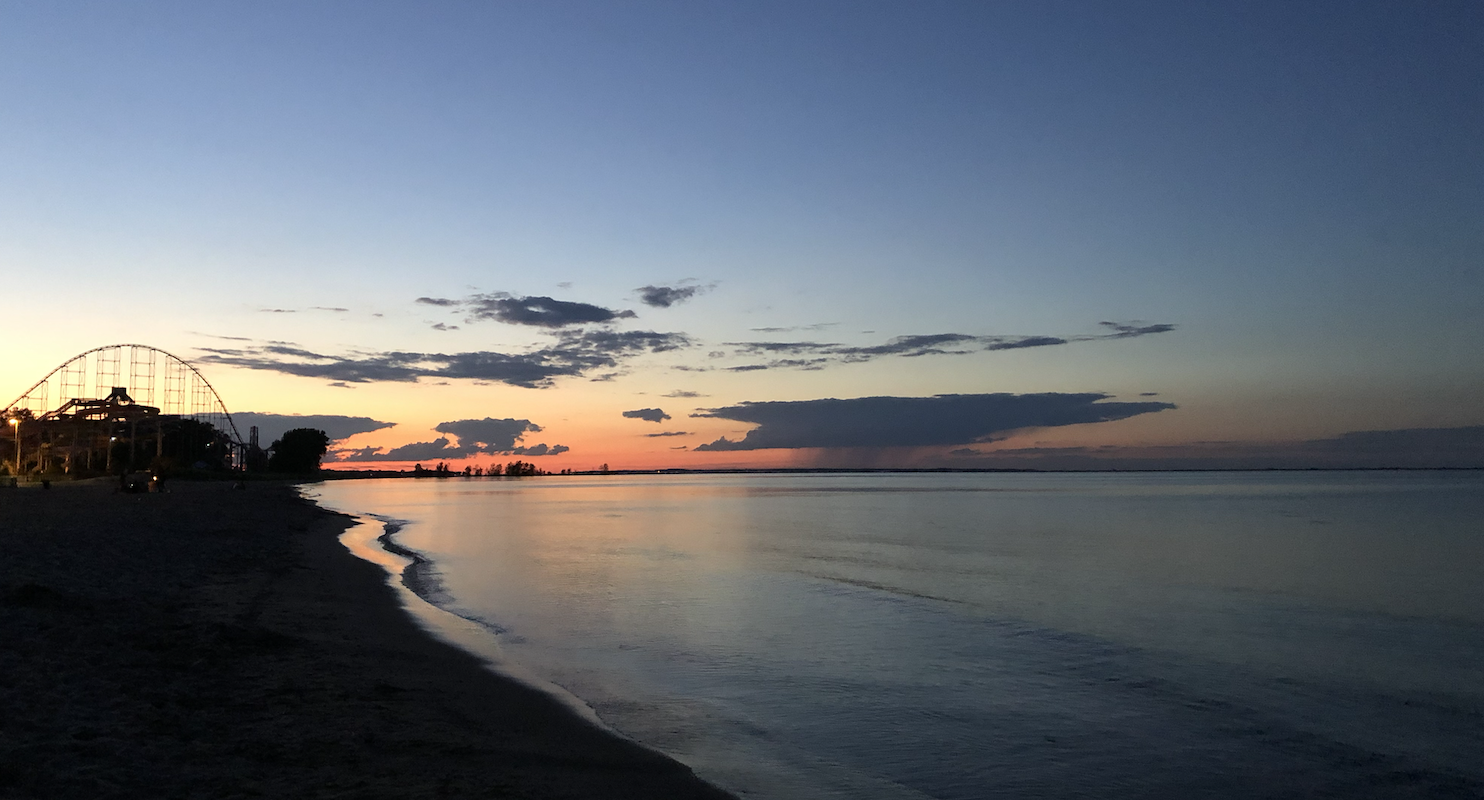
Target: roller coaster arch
94,374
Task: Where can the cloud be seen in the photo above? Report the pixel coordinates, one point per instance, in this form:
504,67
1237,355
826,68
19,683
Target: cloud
647,414
812,355
273,426
598,353
1126,330
667,433
666,296
944,419
417,451
818,326
1023,342
796,363
1410,448
683,393
354,454
471,437
328,308
439,449
620,342
278,310
340,385
543,312
488,435
540,311
791,348
540,450
573,354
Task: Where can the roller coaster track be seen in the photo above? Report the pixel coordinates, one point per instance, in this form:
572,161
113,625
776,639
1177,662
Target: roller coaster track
150,375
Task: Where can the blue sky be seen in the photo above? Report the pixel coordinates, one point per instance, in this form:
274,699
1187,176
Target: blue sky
1296,187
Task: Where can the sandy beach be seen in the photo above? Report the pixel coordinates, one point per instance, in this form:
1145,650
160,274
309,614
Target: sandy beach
207,642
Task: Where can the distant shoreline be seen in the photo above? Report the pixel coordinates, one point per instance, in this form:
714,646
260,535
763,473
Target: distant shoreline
348,474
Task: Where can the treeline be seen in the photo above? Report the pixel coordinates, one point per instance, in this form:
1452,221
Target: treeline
515,469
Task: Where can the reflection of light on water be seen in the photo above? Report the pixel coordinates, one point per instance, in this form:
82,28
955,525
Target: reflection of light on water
361,540
470,636
865,636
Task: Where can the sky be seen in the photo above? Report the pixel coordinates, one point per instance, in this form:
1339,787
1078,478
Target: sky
765,234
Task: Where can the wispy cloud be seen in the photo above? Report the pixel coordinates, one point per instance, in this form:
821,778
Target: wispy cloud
533,310
536,310
818,326
573,354
543,312
1125,330
813,355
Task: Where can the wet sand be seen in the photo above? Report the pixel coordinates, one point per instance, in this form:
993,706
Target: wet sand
207,642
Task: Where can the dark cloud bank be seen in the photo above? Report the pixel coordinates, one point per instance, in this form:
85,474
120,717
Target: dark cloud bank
488,436
1410,448
944,419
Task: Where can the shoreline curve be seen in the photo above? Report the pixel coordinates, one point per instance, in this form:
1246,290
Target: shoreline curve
213,642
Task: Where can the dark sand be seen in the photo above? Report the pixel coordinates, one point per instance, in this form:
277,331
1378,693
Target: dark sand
207,642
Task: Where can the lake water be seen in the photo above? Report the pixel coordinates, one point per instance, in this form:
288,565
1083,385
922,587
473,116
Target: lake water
985,635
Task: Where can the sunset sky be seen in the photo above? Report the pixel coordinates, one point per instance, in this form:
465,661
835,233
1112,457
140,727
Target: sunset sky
703,234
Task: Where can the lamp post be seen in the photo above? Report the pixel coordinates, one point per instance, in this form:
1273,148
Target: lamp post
15,422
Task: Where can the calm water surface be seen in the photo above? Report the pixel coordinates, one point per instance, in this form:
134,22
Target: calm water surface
1001,635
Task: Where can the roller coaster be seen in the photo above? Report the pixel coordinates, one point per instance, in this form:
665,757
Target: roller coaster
121,407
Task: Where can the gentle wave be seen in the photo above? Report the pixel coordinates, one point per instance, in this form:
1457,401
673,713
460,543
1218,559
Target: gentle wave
991,635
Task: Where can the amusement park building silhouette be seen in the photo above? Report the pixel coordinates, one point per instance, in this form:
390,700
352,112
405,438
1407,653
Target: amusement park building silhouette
122,407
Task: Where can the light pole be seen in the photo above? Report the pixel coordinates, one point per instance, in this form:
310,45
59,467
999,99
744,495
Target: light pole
15,422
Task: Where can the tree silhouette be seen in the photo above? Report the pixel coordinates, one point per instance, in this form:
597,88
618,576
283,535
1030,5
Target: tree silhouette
299,451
